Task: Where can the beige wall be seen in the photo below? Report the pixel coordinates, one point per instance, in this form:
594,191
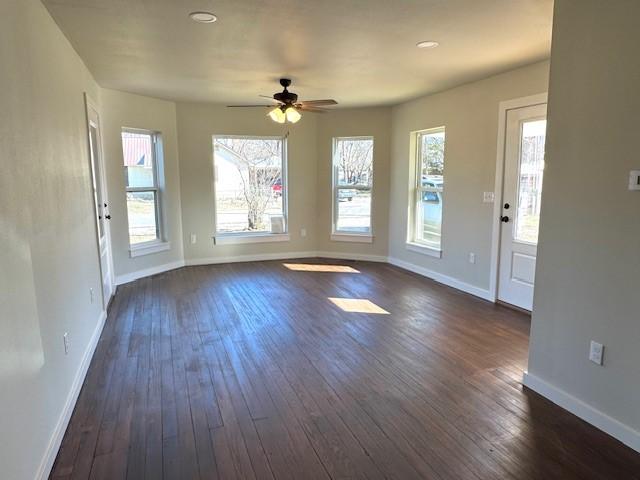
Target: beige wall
470,115
589,255
134,111
197,123
374,122
48,253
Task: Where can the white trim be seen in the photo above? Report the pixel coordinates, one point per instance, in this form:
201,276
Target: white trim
441,278
352,256
424,249
352,237
335,188
249,258
148,249
503,108
237,239
589,414
147,272
55,441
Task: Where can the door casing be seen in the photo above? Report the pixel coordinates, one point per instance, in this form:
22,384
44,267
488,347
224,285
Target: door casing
503,108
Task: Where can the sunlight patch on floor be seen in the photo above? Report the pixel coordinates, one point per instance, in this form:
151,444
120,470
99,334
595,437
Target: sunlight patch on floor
310,267
358,305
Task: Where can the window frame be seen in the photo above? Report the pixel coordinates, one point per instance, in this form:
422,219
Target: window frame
223,238
349,235
160,243
414,242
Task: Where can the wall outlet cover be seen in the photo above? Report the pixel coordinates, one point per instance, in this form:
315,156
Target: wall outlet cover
596,352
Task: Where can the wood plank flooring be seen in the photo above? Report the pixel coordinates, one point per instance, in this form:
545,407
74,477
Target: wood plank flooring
248,371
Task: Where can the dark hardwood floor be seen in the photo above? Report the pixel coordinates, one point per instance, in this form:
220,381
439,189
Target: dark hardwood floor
249,371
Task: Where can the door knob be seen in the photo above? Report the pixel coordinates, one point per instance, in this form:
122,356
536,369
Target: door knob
504,219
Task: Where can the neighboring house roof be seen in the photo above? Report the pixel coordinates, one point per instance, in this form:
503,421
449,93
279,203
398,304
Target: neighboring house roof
136,149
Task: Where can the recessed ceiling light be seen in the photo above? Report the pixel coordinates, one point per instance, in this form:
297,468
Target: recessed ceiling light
203,17
427,44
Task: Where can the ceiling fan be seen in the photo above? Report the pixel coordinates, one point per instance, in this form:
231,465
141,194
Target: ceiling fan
288,108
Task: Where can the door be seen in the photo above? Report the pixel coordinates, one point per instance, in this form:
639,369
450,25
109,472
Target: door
522,189
101,203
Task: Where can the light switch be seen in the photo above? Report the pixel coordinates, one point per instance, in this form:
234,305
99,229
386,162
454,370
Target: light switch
634,180
488,197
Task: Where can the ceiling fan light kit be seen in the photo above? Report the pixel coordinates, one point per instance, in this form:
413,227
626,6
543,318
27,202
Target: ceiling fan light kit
287,108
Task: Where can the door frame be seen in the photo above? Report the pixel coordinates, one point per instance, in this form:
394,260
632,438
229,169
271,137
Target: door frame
503,108
91,104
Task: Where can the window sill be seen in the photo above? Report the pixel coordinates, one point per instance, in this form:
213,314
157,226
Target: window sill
142,249
234,239
352,237
424,250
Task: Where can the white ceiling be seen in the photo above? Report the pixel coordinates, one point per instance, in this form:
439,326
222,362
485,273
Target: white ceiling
360,52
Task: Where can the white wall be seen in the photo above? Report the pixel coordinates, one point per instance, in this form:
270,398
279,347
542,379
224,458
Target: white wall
46,226
470,115
197,123
587,283
134,111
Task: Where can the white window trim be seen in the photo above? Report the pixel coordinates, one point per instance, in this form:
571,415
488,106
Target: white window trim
413,244
161,243
352,237
230,238
346,235
258,237
148,248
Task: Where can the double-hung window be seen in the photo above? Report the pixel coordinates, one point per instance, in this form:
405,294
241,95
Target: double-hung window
426,229
142,152
250,188
352,188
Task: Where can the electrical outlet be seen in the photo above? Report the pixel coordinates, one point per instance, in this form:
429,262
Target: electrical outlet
303,232
194,238
596,352
91,294
67,343
472,257
488,197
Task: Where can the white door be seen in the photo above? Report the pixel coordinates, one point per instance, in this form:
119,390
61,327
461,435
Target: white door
100,201
523,170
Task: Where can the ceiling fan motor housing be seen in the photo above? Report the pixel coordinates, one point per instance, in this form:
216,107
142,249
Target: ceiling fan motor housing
286,96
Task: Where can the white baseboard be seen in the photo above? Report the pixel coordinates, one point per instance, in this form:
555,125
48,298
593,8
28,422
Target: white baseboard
130,277
351,256
589,414
249,258
63,421
441,278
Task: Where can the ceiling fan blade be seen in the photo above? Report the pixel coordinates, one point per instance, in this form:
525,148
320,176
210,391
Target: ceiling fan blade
250,106
311,108
269,97
318,103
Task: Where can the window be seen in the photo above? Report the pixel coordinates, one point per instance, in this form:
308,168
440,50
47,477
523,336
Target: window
142,152
530,181
428,190
352,184
250,185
